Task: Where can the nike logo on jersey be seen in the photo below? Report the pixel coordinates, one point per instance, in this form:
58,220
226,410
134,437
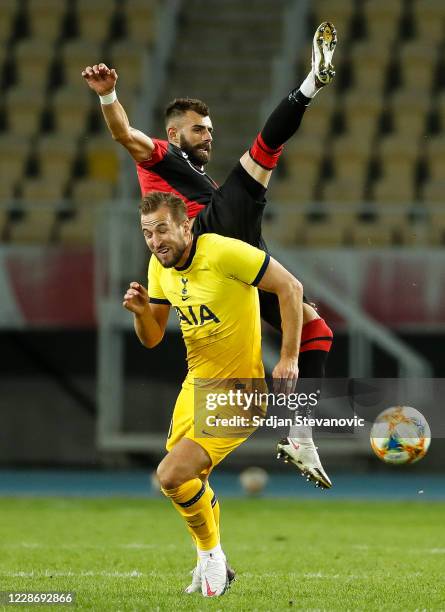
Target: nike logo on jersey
185,298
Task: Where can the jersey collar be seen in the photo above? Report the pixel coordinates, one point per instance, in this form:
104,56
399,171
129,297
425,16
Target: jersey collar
188,263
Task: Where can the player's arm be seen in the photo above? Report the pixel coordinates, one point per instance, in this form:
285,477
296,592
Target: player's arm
289,290
150,320
102,80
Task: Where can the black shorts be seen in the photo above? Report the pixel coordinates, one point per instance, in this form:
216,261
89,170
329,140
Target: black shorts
236,210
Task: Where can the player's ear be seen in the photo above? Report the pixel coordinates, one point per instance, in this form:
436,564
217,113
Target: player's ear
172,133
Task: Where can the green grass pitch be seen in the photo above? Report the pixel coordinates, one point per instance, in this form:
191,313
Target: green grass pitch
127,554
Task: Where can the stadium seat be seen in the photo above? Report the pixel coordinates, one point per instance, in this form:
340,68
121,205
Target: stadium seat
417,65
439,107
42,191
102,158
398,157
362,112
324,234
317,121
383,19
71,107
4,217
36,226
90,192
56,155
350,157
339,12
32,60
141,20
293,190
433,192
371,235
14,152
8,12
128,59
80,229
345,191
76,54
429,20
285,225
303,156
435,155
437,228
94,18
24,111
391,190
45,18
7,192
409,112
369,63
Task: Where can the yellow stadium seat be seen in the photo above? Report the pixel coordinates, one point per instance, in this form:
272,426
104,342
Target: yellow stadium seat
43,191
437,228
439,106
362,112
303,157
128,60
24,111
348,192
285,225
398,157
417,65
435,155
433,193
80,229
71,107
429,20
339,12
76,55
391,190
369,65
14,152
141,20
90,192
102,158
33,59
4,218
383,19
94,18
350,157
409,111
325,234
56,155
45,18
317,121
8,11
7,193
36,226
293,190
372,235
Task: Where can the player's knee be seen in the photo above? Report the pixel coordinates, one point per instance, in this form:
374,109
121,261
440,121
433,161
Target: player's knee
169,476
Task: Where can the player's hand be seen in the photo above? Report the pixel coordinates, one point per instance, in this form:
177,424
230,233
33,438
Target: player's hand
100,78
285,375
136,299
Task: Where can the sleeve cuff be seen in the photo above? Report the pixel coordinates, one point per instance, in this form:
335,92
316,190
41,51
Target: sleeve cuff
159,301
262,270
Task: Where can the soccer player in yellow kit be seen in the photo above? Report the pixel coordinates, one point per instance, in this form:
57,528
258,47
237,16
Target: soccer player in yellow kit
211,281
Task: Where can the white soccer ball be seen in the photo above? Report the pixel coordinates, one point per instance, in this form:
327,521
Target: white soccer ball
253,480
400,435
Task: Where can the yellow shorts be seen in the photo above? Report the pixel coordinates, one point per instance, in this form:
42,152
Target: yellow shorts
190,423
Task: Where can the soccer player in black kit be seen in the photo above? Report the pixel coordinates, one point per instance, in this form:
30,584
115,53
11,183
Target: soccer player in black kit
235,208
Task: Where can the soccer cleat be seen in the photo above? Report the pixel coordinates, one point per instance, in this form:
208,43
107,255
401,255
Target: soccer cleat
323,48
305,457
214,576
195,585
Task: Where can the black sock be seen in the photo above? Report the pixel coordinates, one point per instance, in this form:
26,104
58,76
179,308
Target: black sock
285,119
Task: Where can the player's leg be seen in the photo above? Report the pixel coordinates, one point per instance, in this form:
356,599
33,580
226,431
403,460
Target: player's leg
285,120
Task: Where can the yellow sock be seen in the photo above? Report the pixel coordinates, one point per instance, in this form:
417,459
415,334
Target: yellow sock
193,502
216,509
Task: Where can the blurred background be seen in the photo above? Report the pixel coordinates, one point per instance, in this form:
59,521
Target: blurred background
356,208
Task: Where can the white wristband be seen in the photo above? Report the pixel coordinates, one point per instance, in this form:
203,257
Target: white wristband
108,98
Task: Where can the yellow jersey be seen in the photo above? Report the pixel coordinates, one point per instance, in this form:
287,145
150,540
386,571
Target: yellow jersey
217,305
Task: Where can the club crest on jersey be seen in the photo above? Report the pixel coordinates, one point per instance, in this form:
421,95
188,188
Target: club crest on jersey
184,295
196,315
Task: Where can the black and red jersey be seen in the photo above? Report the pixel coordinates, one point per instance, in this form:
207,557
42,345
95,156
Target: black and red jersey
169,169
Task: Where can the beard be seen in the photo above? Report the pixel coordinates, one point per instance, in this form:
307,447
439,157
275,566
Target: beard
172,257
198,154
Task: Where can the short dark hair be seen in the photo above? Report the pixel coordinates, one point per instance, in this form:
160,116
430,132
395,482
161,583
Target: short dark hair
156,199
179,106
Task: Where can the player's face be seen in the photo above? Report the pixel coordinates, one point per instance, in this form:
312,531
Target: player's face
195,137
166,238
